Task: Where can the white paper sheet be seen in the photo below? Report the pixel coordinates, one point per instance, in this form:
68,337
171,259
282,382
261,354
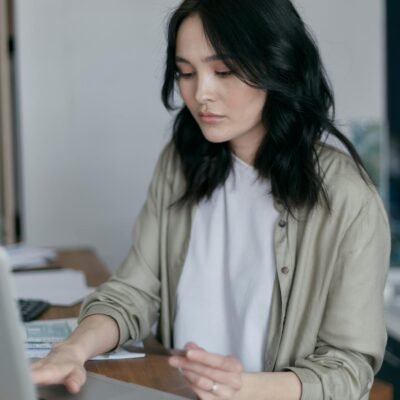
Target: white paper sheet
117,354
58,287
40,336
23,256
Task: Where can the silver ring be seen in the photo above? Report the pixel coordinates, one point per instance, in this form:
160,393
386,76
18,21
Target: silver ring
214,388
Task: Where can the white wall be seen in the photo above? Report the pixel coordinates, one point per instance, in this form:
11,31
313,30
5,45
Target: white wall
93,124
352,42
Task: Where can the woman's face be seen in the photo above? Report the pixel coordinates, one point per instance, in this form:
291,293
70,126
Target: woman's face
226,108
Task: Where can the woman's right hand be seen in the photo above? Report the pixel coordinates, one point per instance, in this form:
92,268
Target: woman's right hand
94,335
63,365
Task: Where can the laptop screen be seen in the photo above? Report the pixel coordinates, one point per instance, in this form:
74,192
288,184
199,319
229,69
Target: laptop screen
15,380
15,377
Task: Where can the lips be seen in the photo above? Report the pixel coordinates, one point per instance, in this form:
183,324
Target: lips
208,117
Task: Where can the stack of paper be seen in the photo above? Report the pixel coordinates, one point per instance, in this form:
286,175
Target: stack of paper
58,287
40,336
23,256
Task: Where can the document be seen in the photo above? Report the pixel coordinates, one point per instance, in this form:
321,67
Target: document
40,337
62,287
28,257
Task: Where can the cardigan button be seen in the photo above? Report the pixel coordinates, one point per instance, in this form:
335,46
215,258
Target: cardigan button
285,270
282,223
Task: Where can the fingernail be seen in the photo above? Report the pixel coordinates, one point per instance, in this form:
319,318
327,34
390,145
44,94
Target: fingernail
174,362
189,353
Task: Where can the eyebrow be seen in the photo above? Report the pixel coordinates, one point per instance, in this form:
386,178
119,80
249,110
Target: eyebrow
214,57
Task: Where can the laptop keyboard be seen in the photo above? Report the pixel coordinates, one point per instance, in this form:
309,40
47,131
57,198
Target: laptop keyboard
31,309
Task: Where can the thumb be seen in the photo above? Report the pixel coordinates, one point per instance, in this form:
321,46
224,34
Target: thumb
75,380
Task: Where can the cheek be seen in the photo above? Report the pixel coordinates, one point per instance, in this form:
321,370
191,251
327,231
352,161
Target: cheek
248,106
245,100
186,93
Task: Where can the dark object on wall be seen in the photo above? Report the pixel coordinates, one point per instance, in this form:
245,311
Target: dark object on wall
393,64
390,371
393,116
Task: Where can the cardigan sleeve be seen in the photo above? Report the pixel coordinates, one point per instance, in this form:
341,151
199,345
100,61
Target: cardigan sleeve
352,335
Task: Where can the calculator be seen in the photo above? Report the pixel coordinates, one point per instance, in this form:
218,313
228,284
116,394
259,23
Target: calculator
31,309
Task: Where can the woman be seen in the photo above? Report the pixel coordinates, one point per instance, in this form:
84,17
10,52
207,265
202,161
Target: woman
260,248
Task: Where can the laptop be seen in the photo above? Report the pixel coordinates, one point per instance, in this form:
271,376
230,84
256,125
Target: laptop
15,377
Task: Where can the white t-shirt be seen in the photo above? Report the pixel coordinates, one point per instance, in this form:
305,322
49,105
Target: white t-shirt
225,290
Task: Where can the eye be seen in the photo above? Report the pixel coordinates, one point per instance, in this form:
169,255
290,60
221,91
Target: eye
224,73
184,75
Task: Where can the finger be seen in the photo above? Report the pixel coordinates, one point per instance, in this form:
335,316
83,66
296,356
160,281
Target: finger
49,374
43,375
207,385
72,386
198,381
75,380
204,395
193,346
226,363
231,379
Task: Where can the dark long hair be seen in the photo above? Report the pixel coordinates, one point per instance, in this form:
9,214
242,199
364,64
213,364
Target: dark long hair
266,44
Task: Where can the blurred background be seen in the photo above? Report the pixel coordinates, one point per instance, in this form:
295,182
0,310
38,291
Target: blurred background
87,123
81,121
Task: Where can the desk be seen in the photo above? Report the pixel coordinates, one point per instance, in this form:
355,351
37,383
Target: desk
152,371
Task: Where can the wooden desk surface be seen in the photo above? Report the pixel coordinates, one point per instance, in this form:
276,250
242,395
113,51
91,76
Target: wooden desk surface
152,371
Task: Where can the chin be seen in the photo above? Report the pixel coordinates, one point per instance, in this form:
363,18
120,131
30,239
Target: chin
215,137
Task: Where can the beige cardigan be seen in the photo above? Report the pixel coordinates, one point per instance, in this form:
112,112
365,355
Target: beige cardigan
326,320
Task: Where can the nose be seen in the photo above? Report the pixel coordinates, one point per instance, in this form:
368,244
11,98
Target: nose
205,89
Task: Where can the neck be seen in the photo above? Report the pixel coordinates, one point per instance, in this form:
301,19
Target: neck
248,158
246,150
246,146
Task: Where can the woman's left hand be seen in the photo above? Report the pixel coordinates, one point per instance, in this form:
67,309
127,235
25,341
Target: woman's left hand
210,375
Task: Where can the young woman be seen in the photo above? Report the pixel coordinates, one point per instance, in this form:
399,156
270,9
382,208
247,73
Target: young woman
260,248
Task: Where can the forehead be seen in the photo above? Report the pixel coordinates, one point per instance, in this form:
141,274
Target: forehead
191,40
